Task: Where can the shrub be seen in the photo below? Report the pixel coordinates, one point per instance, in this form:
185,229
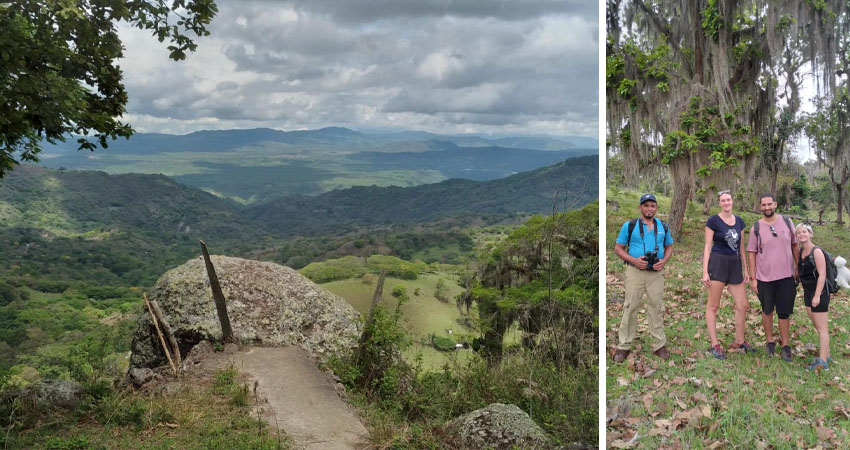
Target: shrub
334,269
442,343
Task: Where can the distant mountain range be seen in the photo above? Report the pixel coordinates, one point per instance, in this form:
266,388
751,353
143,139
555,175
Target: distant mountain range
254,166
230,140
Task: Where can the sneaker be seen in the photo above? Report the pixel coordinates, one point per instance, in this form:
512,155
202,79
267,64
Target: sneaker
829,359
786,353
621,355
817,365
747,348
771,348
662,353
717,352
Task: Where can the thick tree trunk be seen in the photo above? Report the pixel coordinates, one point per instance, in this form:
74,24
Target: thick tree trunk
683,185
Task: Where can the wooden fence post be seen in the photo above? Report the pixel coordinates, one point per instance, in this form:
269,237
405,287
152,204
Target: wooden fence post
218,296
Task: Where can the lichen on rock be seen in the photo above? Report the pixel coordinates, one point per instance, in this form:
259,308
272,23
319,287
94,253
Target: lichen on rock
498,426
268,305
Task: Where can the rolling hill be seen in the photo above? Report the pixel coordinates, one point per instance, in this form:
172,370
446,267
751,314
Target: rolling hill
566,185
65,225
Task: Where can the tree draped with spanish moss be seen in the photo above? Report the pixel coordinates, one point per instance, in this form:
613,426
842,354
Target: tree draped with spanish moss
709,89
828,127
58,70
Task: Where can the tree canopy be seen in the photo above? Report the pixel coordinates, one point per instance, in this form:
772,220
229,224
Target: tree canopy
543,277
710,88
59,73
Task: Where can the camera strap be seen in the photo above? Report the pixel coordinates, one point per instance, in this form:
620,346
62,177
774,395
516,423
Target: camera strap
655,234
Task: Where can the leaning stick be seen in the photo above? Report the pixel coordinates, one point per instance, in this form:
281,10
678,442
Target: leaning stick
161,339
166,328
218,297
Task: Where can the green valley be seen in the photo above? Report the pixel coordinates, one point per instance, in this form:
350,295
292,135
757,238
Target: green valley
82,246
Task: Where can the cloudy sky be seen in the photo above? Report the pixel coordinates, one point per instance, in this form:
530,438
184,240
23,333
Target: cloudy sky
444,66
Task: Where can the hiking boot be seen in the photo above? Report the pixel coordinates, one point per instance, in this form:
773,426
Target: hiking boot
786,353
817,365
621,355
747,348
717,352
771,348
662,353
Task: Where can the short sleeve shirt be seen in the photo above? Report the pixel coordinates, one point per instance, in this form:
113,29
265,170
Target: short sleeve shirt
727,239
774,261
637,246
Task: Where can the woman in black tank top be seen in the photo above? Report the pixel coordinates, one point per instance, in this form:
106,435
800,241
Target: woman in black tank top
812,270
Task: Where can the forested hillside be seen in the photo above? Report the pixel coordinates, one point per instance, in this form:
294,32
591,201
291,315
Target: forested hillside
564,186
61,226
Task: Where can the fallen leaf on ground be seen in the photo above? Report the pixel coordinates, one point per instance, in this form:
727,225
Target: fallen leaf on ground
825,433
663,423
647,401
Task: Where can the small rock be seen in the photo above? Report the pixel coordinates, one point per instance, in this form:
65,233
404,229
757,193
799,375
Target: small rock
50,393
138,376
500,427
231,348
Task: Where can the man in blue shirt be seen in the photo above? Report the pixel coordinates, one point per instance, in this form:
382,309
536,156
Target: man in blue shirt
646,252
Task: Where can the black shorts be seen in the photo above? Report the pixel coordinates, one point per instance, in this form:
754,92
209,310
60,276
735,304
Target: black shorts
809,294
779,294
725,268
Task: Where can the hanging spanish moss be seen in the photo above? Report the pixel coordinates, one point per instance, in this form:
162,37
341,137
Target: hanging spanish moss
709,89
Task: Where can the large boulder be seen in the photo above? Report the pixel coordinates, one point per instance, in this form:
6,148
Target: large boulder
268,305
499,427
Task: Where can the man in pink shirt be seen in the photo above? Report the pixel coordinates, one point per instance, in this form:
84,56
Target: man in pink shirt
772,253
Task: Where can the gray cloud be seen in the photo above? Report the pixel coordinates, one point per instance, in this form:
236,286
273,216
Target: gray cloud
434,65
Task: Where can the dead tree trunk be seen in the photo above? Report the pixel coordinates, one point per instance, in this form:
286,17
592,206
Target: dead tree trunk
367,328
218,296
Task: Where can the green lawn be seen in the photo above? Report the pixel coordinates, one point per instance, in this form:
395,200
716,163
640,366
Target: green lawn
746,401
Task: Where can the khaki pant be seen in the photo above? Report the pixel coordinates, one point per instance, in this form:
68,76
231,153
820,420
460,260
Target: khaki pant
638,283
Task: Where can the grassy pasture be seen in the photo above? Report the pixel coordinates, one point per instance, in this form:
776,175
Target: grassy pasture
746,401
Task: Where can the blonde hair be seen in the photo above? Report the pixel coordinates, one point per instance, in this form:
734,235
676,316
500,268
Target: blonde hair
806,226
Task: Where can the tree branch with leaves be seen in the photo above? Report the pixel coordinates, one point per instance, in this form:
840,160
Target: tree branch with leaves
59,74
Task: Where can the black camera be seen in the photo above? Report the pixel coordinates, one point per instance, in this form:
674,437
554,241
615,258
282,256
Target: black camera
651,259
